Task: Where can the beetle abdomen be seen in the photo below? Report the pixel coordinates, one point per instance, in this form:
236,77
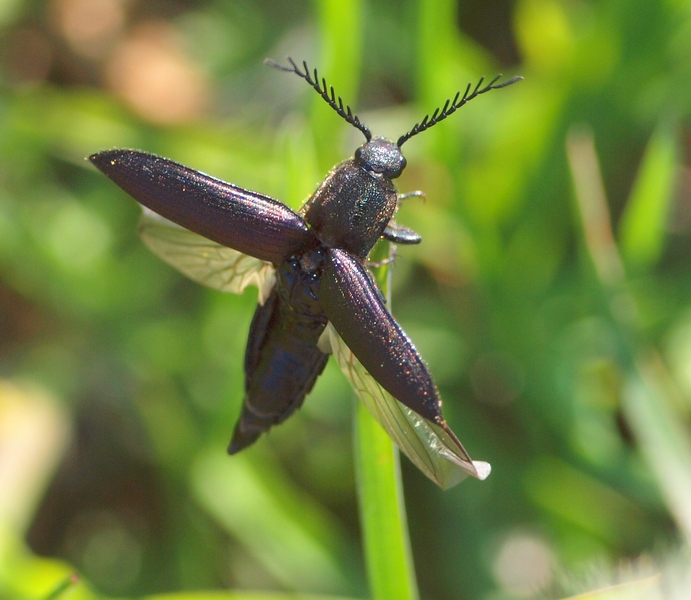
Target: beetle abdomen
282,360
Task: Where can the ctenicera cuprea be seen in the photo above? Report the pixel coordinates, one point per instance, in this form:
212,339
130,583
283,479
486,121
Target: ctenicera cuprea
316,293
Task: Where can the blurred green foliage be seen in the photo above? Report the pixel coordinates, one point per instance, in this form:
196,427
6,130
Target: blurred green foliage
550,295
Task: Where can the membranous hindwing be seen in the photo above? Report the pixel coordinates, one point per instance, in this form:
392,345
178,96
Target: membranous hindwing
432,448
206,262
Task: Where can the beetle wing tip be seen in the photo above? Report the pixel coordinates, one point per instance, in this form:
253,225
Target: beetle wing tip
483,469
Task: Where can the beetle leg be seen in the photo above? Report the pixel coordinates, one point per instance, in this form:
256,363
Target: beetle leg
393,252
415,194
398,234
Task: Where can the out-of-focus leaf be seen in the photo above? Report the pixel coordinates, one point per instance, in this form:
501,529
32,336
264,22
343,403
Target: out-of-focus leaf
643,589
24,576
663,439
341,39
63,586
545,34
291,536
34,433
577,498
300,161
643,223
243,596
595,220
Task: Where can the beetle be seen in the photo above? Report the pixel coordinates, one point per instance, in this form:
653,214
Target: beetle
316,293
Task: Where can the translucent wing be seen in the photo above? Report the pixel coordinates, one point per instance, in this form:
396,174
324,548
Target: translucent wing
433,448
204,261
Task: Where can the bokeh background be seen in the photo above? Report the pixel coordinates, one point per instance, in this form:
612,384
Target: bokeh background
550,295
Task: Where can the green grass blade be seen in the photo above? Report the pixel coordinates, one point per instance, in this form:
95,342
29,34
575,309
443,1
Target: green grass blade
382,512
648,589
662,439
647,401
67,583
341,32
643,223
282,528
388,557
243,595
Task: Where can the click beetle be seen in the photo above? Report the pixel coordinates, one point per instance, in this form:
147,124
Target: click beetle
316,293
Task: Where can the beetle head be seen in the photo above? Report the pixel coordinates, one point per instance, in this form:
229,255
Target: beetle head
381,157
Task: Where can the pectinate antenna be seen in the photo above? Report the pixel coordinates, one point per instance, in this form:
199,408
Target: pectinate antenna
326,92
451,106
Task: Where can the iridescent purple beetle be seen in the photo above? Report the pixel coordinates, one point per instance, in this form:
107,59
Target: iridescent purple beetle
316,294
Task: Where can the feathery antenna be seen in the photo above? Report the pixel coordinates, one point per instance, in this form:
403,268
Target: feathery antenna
326,92
451,106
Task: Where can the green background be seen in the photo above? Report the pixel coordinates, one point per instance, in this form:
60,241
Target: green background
550,294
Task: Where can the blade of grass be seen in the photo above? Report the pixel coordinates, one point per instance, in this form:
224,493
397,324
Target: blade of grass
341,32
388,556
382,512
663,441
282,528
647,405
592,209
647,588
233,595
63,586
643,222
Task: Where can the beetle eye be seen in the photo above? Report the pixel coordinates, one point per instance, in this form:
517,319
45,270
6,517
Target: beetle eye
397,173
358,155
404,163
